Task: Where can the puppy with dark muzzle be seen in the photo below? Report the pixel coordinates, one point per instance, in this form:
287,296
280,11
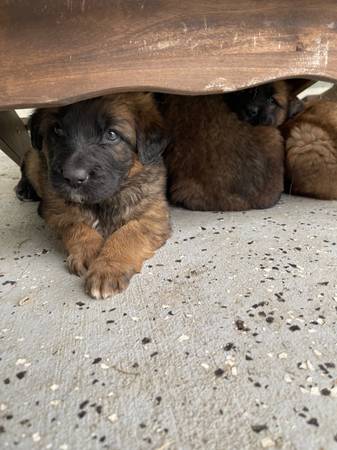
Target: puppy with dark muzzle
97,168
268,104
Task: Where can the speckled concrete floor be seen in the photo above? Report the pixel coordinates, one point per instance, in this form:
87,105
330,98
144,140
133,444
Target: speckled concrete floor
226,341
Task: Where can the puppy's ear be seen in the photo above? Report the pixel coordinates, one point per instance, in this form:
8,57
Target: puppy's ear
152,138
34,125
151,144
295,107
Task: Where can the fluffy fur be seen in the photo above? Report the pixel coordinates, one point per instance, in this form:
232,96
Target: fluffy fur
269,104
311,151
97,167
217,162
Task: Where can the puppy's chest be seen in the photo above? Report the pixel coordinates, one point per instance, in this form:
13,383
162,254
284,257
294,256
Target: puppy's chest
128,204
105,218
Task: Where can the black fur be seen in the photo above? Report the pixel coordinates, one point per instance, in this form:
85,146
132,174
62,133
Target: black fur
151,146
260,105
256,105
34,128
24,190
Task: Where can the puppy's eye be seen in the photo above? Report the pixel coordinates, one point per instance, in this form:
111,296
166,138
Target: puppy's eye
113,136
58,130
272,101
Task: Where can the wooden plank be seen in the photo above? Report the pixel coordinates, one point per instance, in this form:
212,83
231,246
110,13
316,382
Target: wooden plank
62,51
14,139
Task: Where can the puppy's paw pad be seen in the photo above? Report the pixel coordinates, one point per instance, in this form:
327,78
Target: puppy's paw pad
107,279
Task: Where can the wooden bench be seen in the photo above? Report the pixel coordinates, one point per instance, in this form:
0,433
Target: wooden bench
58,52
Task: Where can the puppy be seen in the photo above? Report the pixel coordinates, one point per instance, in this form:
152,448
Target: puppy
269,104
97,168
217,162
311,151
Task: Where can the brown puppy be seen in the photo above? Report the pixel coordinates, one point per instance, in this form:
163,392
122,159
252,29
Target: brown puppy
97,167
216,161
268,104
311,151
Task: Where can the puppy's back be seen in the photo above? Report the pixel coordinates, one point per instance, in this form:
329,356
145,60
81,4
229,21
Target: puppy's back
216,161
311,151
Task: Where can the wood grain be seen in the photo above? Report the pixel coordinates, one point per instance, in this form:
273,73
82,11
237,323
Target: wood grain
63,51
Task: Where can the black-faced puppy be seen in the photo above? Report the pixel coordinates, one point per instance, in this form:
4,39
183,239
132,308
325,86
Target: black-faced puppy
97,167
311,151
269,104
218,162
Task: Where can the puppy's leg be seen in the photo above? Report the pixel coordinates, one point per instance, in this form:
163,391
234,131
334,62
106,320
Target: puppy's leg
24,189
125,251
192,195
83,244
80,240
31,166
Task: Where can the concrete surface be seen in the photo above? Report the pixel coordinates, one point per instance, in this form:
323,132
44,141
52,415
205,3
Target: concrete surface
226,341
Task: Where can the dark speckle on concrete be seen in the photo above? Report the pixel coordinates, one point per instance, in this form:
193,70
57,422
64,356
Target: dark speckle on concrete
228,347
240,325
313,421
84,404
326,392
259,428
21,375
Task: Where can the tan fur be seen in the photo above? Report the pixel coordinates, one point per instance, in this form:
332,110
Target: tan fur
125,251
283,97
36,170
311,151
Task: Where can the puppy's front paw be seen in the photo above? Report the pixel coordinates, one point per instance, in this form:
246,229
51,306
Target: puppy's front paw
25,191
106,278
82,256
78,264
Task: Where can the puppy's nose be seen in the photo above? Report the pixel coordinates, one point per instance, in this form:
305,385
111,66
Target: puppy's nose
75,176
253,110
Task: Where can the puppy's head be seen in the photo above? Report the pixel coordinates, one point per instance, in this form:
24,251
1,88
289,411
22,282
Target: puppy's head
269,104
91,146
